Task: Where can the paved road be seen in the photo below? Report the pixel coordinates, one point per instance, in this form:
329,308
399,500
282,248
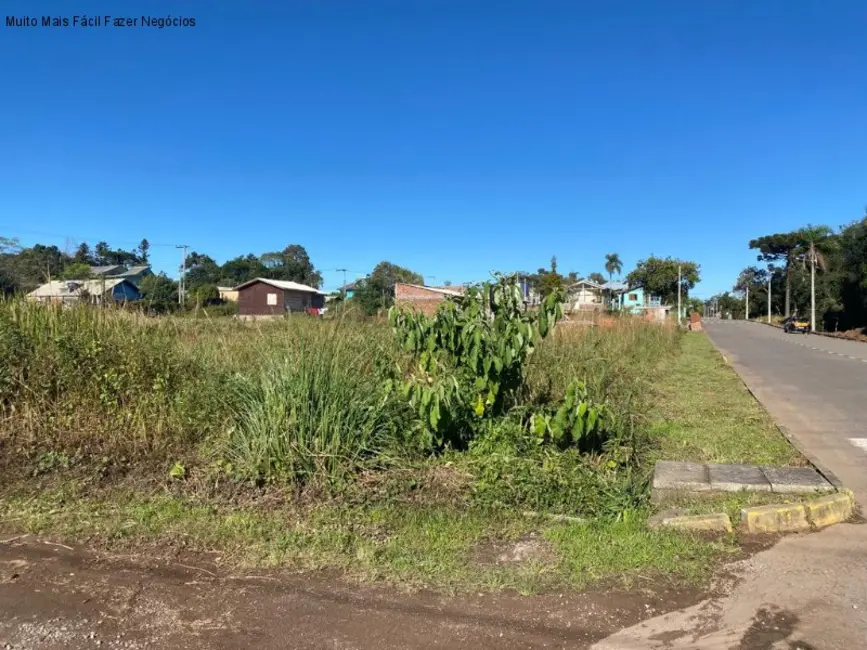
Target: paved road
808,591
813,386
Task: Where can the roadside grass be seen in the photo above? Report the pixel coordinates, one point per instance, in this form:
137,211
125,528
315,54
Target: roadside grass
401,544
704,413
298,406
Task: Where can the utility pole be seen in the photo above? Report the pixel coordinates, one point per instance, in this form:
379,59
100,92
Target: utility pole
344,282
747,304
812,289
770,277
679,282
182,284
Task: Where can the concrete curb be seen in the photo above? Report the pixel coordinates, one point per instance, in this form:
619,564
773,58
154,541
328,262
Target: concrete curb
715,522
797,517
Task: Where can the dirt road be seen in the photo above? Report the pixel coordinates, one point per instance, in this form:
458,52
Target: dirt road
52,597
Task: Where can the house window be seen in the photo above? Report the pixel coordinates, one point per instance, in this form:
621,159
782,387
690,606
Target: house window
633,296
272,298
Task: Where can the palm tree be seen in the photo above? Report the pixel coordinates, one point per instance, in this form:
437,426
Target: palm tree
813,243
613,265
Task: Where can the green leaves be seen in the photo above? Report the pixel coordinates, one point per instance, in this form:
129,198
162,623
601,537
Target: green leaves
471,355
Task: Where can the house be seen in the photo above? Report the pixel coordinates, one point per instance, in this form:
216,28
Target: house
611,293
584,294
531,295
423,299
637,301
348,290
228,294
95,292
266,297
134,274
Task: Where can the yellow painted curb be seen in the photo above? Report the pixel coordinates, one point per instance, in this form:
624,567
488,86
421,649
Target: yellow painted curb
831,509
783,518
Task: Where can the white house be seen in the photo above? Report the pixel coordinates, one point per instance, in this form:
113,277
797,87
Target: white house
584,294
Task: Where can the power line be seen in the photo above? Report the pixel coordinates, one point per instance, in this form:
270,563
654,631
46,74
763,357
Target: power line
81,238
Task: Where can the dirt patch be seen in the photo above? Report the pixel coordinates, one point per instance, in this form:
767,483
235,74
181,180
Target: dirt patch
57,597
531,548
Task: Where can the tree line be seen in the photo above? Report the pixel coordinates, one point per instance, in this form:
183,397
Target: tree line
23,269
835,259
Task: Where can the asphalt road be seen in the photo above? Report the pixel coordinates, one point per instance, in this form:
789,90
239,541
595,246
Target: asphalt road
808,592
815,387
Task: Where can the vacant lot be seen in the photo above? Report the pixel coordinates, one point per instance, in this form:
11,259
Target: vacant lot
298,444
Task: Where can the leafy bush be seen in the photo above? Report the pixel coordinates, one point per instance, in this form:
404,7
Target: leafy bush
468,366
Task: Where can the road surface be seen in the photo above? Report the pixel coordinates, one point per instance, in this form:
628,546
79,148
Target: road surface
809,591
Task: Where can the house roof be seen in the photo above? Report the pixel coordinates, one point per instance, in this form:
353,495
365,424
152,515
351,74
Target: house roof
109,269
615,285
352,286
281,284
73,288
586,283
133,270
446,291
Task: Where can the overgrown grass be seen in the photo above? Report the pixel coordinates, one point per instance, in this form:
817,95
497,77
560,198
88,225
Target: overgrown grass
440,547
300,401
704,412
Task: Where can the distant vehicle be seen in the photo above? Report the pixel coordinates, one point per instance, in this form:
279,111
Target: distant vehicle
796,324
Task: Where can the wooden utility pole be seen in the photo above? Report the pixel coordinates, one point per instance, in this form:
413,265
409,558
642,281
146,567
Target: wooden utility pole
182,284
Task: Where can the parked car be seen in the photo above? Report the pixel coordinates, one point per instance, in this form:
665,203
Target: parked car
796,324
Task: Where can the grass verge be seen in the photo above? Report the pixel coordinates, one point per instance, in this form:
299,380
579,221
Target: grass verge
705,414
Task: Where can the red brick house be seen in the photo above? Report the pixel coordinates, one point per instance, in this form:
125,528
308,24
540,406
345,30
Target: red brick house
265,297
424,299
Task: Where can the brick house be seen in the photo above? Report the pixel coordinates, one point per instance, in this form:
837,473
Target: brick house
266,297
424,299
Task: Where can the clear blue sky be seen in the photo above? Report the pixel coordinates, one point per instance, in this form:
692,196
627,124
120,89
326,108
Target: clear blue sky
450,136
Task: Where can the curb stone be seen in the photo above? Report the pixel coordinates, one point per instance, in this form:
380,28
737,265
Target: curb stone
716,522
830,510
780,518
791,518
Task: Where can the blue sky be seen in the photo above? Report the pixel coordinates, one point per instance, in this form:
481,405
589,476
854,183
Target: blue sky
455,137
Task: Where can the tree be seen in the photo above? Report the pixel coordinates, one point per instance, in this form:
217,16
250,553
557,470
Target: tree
76,271
853,290
813,244
206,294
242,269
659,276
376,291
202,270
596,277
34,266
613,265
159,293
143,251
101,253
779,247
83,254
549,281
292,263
